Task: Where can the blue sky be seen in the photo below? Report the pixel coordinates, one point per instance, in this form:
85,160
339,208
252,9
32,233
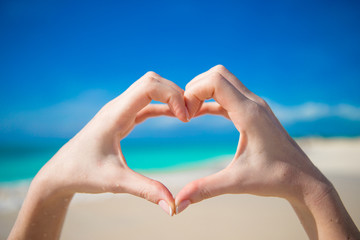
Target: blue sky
60,61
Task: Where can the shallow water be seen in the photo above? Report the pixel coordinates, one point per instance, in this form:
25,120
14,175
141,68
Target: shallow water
23,161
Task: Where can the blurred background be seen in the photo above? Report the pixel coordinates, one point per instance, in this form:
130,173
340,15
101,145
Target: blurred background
60,61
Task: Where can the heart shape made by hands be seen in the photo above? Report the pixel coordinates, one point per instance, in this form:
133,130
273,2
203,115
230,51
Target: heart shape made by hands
262,165
266,159
267,162
253,119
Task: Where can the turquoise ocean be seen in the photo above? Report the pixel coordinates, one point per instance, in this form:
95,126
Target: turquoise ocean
22,161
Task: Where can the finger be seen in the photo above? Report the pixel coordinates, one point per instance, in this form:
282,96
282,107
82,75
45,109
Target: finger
244,90
152,74
215,86
153,110
152,87
212,108
232,79
204,188
170,83
239,85
220,69
151,190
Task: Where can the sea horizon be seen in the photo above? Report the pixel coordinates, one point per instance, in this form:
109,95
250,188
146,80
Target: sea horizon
21,161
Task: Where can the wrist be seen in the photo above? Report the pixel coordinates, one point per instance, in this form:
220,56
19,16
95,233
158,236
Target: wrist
45,186
44,207
310,192
306,184
315,189
321,210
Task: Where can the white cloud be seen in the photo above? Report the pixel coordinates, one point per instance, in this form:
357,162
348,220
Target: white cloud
306,112
60,120
347,111
311,111
66,118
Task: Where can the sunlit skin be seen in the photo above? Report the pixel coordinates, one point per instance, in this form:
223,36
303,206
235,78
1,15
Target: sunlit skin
268,162
92,161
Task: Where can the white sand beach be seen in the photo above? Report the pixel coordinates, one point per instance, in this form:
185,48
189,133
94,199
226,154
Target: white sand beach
109,216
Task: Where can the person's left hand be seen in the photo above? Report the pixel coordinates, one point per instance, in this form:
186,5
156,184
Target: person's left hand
92,162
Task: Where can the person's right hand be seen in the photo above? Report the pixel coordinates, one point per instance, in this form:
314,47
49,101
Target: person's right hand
92,161
268,162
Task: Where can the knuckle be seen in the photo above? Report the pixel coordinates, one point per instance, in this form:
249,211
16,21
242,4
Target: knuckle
181,91
151,74
220,68
147,192
187,87
177,94
158,187
201,190
262,102
217,79
205,193
144,193
150,83
254,111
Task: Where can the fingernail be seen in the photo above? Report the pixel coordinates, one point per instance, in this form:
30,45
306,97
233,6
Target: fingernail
182,206
165,207
187,114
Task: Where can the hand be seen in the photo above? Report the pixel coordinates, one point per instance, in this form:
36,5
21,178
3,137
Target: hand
268,162
267,159
92,162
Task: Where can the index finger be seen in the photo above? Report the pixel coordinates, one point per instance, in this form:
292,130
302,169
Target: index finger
152,87
214,85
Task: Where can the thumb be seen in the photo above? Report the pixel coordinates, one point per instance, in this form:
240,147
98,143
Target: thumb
203,188
150,190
